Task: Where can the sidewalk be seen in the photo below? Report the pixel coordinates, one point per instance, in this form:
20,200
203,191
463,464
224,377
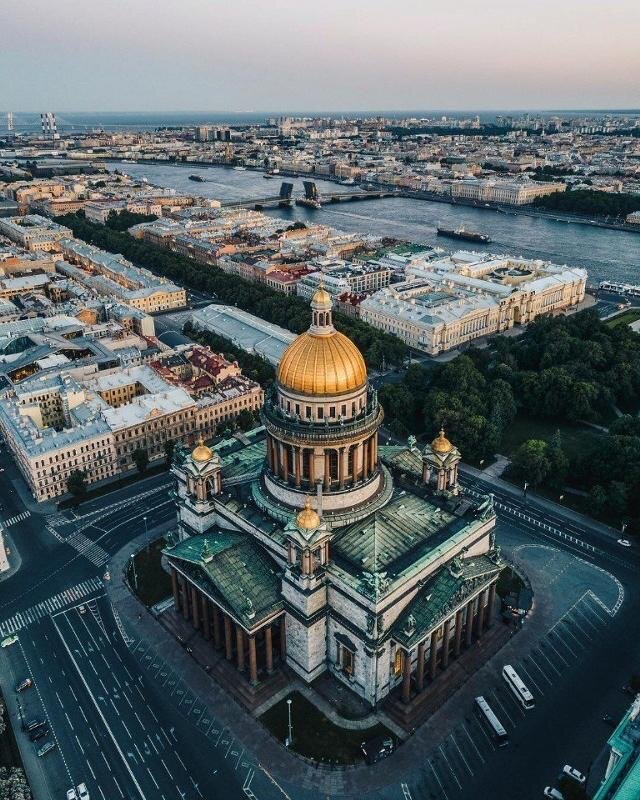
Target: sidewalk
541,503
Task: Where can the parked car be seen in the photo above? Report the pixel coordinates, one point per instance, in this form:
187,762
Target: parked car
46,748
572,772
554,793
32,724
9,640
82,609
624,542
376,749
71,794
27,683
83,794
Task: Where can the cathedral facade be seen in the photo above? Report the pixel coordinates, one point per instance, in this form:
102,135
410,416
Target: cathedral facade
307,543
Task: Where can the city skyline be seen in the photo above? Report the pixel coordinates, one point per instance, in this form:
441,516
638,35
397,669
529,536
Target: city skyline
253,57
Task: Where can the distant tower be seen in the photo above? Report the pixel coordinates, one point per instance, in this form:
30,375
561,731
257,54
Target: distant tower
10,127
49,125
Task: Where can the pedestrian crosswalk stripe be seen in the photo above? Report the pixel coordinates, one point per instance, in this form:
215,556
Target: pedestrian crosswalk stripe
88,548
17,518
43,609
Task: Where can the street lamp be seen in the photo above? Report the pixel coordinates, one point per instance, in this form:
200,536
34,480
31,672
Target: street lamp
133,567
289,741
146,533
526,485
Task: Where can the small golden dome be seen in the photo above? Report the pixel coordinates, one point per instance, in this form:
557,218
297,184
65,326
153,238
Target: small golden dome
201,452
308,519
441,444
321,297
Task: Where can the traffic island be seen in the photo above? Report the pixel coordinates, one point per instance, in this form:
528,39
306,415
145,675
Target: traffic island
145,575
13,782
309,733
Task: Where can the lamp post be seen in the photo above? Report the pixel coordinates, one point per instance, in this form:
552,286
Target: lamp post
146,533
133,567
526,486
289,741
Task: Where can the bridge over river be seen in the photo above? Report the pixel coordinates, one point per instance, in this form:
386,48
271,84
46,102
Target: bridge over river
311,198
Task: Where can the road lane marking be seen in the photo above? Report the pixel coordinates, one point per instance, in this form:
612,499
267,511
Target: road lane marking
466,763
455,777
475,747
100,714
442,789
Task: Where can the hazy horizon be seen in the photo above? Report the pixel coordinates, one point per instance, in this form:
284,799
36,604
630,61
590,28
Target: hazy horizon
142,55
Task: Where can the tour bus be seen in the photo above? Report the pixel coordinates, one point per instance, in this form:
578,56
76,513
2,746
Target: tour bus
486,716
515,683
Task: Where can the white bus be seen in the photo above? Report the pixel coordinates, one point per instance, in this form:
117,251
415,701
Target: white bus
486,715
515,683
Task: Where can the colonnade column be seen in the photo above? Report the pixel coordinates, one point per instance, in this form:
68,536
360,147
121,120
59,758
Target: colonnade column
480,615
327,470
195,607
434,654
341,466
457,641
228,644
240,648
268,646
185,597
406,677
468,637
205,617
491,604
283,640
298,465
420,668
253,661
217,639
176,591
285,462
445,644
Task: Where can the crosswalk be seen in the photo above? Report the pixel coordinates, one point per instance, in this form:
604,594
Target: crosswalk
49,606
15,519
88,548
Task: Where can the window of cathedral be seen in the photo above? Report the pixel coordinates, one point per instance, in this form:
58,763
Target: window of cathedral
346,659
320,412
398,662
332,411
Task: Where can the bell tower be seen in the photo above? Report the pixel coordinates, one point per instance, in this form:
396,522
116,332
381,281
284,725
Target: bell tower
199,480
440,461
304,591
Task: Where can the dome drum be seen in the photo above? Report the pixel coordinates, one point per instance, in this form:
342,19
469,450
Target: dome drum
287,429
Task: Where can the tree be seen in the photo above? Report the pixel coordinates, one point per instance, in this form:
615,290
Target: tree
169,446
558,461
76,484
245,420
530,462
140,458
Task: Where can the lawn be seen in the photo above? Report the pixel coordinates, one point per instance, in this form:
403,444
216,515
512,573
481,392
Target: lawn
574,438
150,582
626,318
314,736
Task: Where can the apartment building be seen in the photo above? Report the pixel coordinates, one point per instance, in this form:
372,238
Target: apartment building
515,193
33,232
96,421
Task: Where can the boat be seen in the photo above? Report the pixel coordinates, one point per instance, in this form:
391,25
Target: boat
198,178
348,182
624,289
267,176
461,233
308,202
240,169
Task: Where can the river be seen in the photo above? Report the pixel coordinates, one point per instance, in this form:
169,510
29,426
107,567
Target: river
606,254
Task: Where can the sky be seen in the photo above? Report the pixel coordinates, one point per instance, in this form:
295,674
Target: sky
261,55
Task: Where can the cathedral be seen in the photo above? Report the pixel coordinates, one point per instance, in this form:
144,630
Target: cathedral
308,543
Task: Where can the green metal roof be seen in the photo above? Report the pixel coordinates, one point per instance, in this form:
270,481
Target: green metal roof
381,540
624,781
447,590
402,458
245,463
234,570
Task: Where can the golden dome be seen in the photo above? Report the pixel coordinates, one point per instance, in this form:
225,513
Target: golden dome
308,519
322,365
201,452
441,444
